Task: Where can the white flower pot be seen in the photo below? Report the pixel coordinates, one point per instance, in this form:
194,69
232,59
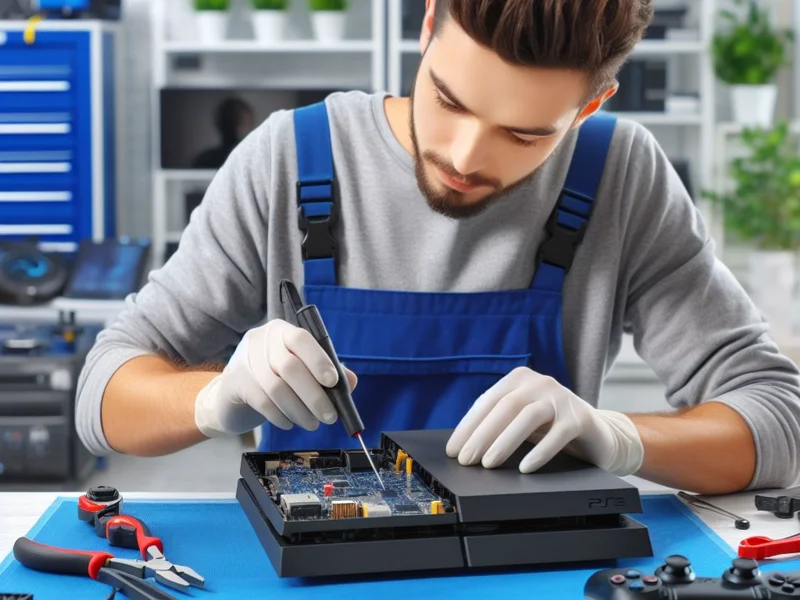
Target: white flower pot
212,25
754,105
772,286
329,25
270,25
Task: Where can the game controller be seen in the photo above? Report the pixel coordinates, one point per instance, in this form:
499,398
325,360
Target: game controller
676,580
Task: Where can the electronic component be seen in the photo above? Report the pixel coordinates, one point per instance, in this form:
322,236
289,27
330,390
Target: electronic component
409,466
389,493
371,511
340,483
344,509
401,456
436,507
405,507
301,505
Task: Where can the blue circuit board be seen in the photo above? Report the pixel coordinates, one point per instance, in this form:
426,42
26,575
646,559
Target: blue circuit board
337,489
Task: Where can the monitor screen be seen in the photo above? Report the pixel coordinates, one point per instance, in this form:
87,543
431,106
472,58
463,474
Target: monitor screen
107,270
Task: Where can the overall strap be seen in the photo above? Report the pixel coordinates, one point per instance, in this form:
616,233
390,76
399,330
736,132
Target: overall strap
567,223
316,206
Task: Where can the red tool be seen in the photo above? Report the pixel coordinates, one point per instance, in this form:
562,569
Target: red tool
759,547
101,507
126,576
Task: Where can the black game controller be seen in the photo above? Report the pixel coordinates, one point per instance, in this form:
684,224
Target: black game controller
675,580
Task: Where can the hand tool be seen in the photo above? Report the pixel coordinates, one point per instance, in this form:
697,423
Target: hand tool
126,576
760,547
739,522
307,316
101,508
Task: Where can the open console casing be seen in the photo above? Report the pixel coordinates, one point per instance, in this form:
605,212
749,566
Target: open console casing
568,511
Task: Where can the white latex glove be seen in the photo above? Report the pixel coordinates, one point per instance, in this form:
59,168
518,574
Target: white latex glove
276,374
525,405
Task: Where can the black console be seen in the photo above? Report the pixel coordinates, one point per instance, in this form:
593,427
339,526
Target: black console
675,579
324,512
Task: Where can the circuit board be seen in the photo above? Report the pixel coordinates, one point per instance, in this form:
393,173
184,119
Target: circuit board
337,492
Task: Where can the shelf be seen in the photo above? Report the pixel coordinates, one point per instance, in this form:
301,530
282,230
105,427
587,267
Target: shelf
256,47
656,118
729,128
669,47
645,47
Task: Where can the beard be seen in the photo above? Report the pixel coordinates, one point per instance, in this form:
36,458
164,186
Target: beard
452,203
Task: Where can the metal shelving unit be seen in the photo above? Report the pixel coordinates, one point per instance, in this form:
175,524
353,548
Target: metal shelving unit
181,60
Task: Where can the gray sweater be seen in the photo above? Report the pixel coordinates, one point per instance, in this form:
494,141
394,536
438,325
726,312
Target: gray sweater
646,266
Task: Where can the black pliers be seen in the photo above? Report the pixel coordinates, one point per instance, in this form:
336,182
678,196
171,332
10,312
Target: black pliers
127,576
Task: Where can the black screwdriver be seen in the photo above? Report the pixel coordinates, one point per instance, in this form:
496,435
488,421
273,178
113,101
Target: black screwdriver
306,316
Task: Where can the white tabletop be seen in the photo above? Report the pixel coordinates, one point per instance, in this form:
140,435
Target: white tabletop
19,511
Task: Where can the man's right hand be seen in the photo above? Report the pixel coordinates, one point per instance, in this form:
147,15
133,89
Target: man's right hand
276,374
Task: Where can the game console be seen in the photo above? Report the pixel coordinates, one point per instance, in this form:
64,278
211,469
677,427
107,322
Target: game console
324,512
675,580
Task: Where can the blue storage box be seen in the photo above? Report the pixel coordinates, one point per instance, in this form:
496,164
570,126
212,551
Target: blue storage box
57,138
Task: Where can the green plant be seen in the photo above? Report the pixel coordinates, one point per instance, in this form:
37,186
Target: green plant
327,4
749,51
763,208
270,4
211,4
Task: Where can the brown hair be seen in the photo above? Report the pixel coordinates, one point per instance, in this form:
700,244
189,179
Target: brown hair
592,36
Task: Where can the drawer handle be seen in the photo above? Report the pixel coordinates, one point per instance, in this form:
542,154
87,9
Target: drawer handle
44,167
35,229
30,29
35,196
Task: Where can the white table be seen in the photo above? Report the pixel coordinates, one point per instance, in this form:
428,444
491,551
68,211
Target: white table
19,511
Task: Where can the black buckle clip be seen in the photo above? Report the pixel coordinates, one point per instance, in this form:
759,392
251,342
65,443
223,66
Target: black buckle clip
560,247
318,241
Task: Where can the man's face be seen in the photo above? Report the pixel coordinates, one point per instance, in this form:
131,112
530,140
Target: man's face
480,126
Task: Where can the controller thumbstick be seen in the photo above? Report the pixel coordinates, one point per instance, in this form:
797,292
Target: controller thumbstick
676,569
743,571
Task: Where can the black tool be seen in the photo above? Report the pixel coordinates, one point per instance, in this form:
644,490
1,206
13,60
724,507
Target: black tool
739,522
127,576
783,504
306,316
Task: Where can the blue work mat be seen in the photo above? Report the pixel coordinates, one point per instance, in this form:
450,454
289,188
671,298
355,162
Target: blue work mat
215,538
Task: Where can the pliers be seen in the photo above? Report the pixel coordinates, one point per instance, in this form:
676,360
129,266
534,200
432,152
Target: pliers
126,531
124,575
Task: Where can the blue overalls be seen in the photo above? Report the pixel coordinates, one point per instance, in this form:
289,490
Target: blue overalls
423,358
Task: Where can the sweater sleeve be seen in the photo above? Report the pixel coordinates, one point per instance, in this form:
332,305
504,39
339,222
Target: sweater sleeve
196,307
694,324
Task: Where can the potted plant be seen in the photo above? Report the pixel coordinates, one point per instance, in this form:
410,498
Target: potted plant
212,19
762,209
328,19
270,19
748,52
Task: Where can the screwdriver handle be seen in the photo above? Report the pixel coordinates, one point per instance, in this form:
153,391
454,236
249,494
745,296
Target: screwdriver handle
126,531
50,559
340,395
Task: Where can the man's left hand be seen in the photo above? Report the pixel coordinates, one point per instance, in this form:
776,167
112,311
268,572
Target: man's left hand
527,406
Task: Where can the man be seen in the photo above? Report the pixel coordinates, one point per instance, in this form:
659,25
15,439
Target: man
447,261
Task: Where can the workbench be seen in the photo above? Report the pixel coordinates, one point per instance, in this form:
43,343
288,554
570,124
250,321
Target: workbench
19,512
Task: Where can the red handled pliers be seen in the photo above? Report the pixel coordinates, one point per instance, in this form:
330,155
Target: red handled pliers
760,547
126,576
126,531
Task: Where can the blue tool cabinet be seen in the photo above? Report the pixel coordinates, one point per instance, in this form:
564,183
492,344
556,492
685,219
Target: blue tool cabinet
57,139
